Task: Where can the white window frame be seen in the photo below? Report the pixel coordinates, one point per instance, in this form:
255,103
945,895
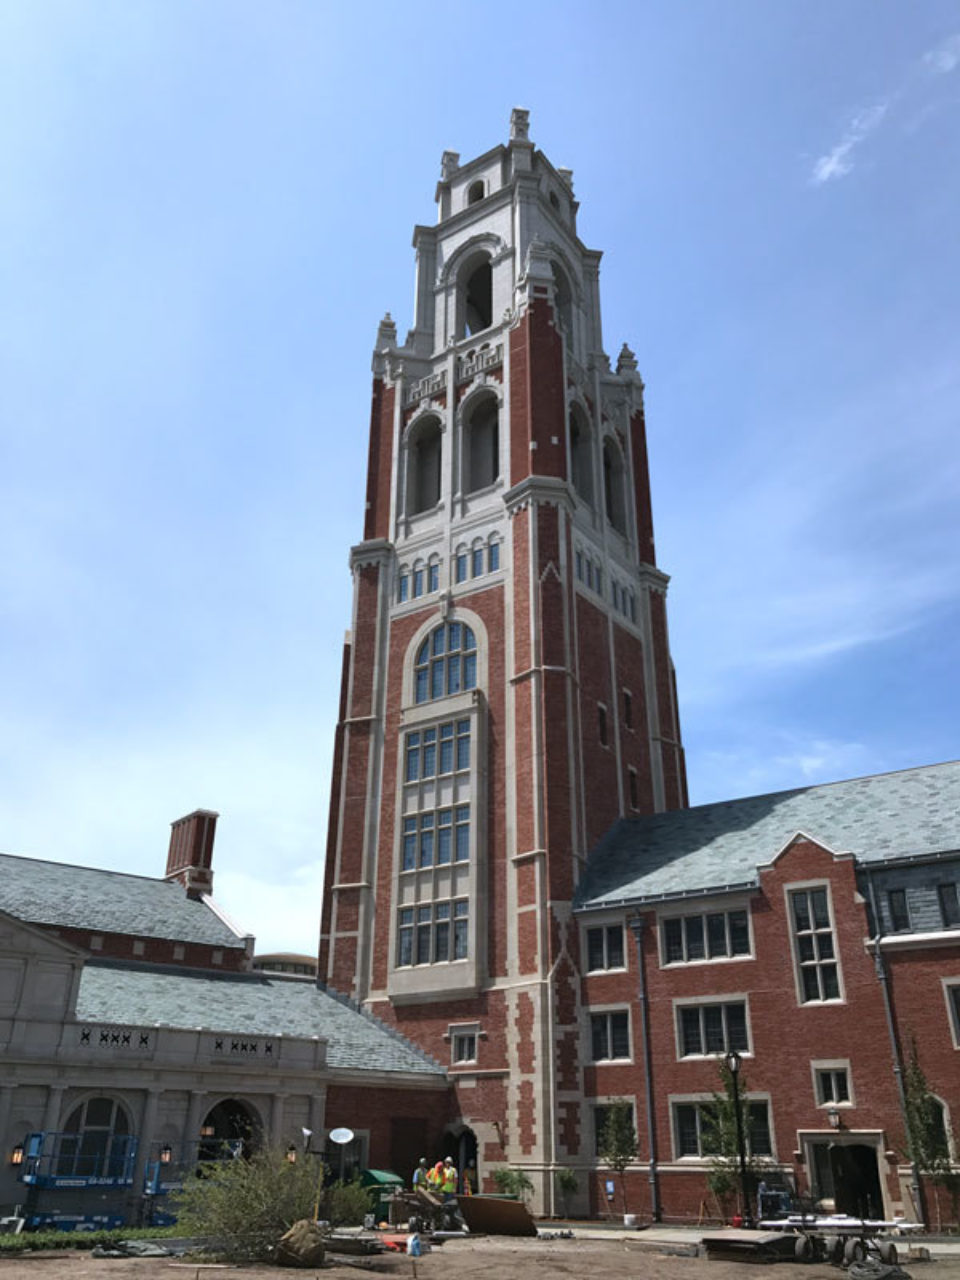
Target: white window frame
585,947
697,1100
707,908
604,1011
699,1002
807,886
833,1065
951,996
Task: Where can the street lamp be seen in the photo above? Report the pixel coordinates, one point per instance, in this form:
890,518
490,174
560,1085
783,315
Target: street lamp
732,1060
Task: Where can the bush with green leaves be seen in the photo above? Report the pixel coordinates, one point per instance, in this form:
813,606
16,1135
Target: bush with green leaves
35,1240
512,1182
346,1204
928,1145
245,1206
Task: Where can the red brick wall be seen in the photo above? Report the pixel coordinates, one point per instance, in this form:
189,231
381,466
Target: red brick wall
116,946
376,523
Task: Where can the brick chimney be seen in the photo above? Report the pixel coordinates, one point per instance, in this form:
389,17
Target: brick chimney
191,851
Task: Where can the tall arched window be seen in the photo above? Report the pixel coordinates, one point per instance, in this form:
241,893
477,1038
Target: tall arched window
482,445
476,303
581,464
614,497
564,302
96,1142
424,453
446,662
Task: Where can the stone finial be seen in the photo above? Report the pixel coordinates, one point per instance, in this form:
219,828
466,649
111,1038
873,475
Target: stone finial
386,333
626,360
449,164
519,125
566,177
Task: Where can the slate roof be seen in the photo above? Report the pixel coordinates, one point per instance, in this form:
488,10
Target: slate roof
55,893
250,1003
715,846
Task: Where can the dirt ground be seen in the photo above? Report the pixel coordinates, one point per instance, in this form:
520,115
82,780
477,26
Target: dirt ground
491,1258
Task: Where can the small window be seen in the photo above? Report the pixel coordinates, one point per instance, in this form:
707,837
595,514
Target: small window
949,906
610,1035
953,1000
478,562
579,564
96,942
464,1046
554,200
461,568
403,587
899,912
216,957
417,583
602,723
605,948
832,1085
634,792
178,951
628,708
138,947
493,557
433,577
475,192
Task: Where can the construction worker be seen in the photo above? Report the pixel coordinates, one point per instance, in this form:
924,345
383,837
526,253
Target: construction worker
435,1177
468,1180
450,1179
420,1174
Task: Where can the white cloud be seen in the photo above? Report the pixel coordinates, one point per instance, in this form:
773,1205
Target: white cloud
945,58
838,162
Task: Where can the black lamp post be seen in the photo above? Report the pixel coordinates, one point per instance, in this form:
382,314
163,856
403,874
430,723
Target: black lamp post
733,1066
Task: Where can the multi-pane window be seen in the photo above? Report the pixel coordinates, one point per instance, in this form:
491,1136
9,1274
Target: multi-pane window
698,1126
712,1028
711,936
440,749
610,1035
899,912
403,587
628,708
433,577
600,1114
493,557
461,567
432,933
605,947
634,791
832,1085
949,905
436,838
446,662
464,1046
953,998
814,945
417,583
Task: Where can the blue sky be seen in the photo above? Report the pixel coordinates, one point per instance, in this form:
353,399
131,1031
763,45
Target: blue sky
205,211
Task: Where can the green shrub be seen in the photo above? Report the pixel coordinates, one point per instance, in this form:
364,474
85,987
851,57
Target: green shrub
35,1240
245,1206
512,1182
345,1204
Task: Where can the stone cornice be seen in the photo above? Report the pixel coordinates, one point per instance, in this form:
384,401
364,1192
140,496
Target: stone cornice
375,551
538,491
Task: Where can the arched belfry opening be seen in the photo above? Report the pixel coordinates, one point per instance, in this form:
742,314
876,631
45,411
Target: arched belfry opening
424,453
475,192
613,486
476,300
581,455
481,444
563,302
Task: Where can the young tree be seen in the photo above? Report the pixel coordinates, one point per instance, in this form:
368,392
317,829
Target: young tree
567,1186
718,1136
927,1144
618,1142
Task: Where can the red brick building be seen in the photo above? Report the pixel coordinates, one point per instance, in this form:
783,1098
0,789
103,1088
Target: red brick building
513,878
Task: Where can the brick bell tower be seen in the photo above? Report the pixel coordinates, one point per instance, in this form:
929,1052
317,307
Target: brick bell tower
507,685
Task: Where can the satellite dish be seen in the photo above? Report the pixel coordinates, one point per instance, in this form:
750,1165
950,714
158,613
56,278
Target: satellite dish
341,1136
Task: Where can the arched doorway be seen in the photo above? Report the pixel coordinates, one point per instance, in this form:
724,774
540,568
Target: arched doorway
461,1145
231,1128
